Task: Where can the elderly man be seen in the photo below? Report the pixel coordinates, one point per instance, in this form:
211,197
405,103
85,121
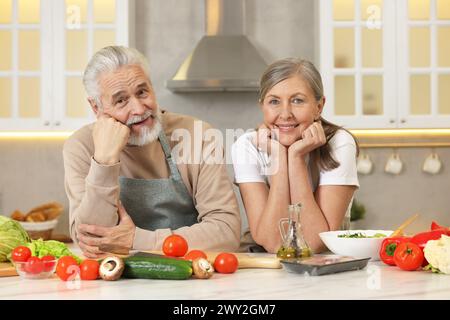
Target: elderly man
126,155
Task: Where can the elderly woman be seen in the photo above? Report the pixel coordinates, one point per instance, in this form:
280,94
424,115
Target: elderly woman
296,156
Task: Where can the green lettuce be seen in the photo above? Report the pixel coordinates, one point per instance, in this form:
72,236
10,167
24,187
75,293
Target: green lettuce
12,235
40,248
433,269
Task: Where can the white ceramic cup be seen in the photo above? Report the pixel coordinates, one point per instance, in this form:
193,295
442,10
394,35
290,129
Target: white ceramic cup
364,165
394,165
432,164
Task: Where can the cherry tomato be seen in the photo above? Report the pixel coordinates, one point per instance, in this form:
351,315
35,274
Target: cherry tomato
226,263
49,262
194,254
175,246
89,269
21,254
408,256
34,265
67,266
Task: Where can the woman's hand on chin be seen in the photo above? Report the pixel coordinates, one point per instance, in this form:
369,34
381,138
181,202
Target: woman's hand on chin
265,141
312,138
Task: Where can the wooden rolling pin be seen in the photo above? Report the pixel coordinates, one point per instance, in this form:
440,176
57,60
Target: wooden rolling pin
245,260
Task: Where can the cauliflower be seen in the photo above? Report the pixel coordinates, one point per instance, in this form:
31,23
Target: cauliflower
437,253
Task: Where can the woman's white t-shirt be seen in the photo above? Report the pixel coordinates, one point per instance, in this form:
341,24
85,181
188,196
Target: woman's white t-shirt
252,165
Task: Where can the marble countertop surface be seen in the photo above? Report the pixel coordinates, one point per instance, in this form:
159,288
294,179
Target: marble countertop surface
376,281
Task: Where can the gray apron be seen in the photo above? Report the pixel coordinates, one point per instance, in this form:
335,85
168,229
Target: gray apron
159,203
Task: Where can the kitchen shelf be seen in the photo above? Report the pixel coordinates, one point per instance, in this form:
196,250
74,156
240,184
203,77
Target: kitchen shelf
406,145
403,138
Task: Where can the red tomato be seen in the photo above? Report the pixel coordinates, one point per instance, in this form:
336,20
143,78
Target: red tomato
21,254
67,266
89,269
226,263
175,246
194,254
408,256
49,262
34,265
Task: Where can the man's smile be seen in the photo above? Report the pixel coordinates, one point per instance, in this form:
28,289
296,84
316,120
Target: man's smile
137,122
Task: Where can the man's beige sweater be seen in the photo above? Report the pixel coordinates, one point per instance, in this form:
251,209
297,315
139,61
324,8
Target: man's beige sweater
93,189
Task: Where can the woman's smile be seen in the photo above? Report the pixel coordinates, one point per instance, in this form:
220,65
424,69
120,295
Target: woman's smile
286,127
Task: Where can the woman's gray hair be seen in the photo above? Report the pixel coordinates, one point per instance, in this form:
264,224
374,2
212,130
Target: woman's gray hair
286,68
109,59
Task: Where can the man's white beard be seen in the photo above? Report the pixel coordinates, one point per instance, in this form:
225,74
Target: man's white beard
146,134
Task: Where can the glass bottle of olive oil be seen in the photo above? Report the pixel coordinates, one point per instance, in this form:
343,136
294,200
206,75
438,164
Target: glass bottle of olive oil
294,245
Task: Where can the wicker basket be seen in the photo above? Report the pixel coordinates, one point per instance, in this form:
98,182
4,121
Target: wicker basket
37,230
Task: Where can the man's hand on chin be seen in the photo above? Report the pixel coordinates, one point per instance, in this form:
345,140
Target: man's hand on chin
92,237
110,138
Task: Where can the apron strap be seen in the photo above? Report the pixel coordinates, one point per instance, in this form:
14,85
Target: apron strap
168,154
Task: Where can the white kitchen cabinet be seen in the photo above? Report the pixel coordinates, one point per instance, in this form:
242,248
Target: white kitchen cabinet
386,64
46,45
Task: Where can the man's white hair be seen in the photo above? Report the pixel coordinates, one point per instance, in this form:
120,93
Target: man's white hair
109,59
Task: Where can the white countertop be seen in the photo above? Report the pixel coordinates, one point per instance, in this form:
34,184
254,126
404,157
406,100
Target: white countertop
376,281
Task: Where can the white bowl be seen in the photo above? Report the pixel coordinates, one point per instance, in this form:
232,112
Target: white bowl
40,230
39,226
354,247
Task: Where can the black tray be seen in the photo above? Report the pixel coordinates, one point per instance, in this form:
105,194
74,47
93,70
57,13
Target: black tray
324,264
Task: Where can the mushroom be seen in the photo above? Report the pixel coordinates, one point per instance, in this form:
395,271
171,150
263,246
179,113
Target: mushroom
111,268
202,268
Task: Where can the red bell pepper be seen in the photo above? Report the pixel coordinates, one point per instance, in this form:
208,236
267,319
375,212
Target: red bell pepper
388,247
435,226
422,238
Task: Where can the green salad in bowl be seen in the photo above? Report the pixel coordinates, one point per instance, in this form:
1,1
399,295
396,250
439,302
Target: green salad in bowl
361,235
355,243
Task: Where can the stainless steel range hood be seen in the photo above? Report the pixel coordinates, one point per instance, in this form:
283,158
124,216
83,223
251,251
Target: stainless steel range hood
224,59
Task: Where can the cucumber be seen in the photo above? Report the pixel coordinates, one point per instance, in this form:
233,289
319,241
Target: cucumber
157,268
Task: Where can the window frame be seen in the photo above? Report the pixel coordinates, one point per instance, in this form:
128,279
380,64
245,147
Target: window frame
406,119
396,93
53,76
